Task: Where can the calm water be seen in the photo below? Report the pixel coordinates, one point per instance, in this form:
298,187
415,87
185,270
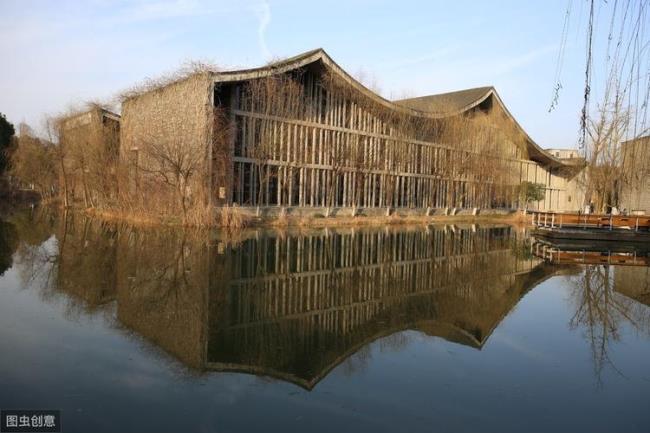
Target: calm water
440,328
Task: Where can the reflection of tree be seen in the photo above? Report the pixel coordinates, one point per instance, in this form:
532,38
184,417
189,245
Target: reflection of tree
157,276
36,251
602,312
35,255
8,244
34,227
67,254
86,263
162,280
161,263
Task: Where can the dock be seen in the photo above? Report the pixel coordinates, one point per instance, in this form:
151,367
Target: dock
591,221
592,227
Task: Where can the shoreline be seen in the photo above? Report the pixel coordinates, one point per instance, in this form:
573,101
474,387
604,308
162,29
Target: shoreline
315,220
296,217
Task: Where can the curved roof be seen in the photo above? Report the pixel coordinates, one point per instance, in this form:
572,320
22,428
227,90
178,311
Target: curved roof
447,104
447,331
426,106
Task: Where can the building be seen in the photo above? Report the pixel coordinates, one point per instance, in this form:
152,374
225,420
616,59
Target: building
90,141
304,133
96,125
635,194
563,153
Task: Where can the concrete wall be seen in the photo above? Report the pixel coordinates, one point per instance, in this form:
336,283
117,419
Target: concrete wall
636,164
180,113
637,198
564,191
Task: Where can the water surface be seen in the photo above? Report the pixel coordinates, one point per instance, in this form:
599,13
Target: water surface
449,328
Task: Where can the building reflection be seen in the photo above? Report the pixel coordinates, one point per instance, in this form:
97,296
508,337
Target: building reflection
294,304
622,267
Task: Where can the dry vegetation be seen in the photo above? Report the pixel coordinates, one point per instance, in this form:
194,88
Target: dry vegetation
187,71
81,163
34,163
613,167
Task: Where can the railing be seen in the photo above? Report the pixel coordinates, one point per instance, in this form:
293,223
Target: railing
575,220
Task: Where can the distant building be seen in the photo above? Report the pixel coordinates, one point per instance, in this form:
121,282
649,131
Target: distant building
636,166
304,133
563,153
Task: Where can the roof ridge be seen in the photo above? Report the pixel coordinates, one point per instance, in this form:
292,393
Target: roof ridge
471,89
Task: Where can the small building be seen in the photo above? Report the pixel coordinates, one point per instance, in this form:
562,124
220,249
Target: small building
304,133
96,124
90,142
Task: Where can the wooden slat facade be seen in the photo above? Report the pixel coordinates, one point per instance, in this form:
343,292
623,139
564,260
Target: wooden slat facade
330,150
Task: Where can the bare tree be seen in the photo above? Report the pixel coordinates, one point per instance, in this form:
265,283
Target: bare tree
33,162
176,165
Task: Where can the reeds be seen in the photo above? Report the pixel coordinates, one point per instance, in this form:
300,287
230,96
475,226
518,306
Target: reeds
233,218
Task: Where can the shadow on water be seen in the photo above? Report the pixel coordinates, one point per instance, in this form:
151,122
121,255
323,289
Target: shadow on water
295,304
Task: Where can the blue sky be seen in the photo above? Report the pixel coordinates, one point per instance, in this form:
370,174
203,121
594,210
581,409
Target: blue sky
61,52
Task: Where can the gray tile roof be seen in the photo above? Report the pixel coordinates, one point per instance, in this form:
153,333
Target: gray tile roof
447,103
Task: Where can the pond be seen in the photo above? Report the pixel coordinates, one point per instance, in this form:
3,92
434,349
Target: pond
396,329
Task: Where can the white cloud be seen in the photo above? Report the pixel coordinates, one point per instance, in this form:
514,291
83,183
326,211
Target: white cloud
263,12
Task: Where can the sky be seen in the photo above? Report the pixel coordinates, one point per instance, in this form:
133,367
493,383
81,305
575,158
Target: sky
57,54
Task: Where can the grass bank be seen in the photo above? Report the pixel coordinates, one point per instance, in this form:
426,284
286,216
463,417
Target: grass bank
238,218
